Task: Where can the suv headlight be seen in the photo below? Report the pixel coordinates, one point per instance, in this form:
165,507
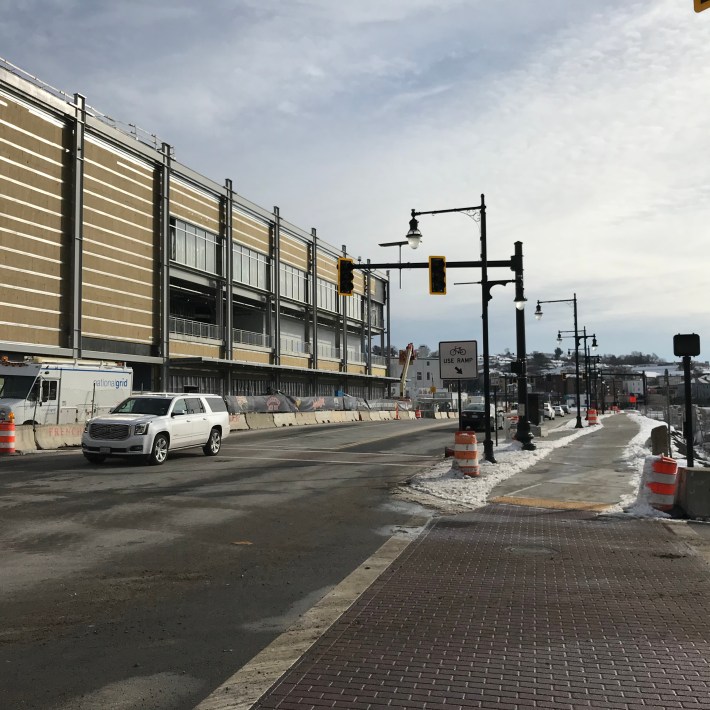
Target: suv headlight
141,428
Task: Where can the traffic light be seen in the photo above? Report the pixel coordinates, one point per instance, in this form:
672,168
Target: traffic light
346,276
437,275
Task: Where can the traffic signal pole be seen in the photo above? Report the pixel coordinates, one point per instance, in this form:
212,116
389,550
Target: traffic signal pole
514,264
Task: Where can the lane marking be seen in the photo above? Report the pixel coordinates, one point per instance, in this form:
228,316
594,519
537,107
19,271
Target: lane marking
249,683
328,451
335,461
551,503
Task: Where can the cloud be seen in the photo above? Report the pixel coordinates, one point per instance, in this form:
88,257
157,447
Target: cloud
584,124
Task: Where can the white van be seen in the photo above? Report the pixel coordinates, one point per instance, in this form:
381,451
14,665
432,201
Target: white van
44,391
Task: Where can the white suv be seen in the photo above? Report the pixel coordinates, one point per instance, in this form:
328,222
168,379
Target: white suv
148,425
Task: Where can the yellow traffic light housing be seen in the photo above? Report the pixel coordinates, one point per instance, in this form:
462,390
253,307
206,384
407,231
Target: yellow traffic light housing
437,275
346,276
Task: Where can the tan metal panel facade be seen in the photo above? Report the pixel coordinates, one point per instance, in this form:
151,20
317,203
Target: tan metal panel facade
187,348
244,355
120,255
250,232
294,252
194,206
327,267
32,254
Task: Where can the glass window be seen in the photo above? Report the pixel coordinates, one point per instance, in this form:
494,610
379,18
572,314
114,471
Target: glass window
194,405
217,404
293,283
327,296
193,246
179,407
250,267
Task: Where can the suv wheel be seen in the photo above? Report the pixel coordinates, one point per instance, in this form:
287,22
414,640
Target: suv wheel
214,443
159,452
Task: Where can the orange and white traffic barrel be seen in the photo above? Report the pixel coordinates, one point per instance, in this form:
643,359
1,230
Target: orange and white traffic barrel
418,413
7,437
661,481
592,417
466,453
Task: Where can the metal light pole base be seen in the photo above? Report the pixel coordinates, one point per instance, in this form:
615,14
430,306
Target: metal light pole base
525,437
488,450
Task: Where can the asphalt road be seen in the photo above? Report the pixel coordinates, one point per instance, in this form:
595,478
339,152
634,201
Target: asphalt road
127,586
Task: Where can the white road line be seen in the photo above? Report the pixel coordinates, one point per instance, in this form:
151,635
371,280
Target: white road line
351,453
334,461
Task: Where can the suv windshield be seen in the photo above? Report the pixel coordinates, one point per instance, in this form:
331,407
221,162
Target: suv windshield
144,405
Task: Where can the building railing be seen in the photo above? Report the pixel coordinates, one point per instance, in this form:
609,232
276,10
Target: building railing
195,329
294,346
355,356
328,351
246,337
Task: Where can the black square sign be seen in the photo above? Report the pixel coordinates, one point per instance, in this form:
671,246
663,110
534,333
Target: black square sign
686,344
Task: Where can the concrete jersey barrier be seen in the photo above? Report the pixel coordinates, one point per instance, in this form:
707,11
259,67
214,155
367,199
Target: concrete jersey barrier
49,437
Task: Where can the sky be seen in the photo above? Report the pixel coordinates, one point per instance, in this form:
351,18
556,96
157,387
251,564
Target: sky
584,124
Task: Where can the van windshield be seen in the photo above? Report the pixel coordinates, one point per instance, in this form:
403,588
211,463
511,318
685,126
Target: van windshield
15,386
144,405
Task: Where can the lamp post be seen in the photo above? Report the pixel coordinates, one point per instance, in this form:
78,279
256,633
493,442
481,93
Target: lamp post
588,362
578,338
414,237
538,316
595,360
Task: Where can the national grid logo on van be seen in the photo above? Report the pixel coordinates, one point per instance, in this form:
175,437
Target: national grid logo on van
111,383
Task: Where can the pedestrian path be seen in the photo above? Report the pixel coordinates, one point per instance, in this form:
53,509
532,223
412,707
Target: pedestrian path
517,606
587,473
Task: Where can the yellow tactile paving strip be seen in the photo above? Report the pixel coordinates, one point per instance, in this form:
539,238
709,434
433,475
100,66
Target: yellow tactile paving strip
551,503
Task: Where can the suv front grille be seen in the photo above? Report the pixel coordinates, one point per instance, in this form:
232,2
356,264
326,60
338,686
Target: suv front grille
109,431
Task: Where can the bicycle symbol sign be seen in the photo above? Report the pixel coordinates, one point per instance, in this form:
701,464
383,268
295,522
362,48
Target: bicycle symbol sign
458,360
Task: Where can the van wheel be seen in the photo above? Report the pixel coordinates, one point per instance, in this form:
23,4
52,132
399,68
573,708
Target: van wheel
94,458
159,452
214,443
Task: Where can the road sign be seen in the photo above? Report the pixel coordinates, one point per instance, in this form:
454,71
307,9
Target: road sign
458,360
701,5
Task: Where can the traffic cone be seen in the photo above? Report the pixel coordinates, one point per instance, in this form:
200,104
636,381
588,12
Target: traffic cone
418,413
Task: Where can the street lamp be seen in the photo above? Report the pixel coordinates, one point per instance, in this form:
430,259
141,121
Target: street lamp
414,237
538,316
577,339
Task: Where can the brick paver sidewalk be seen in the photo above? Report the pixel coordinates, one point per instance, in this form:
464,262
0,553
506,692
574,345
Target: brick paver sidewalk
512,608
